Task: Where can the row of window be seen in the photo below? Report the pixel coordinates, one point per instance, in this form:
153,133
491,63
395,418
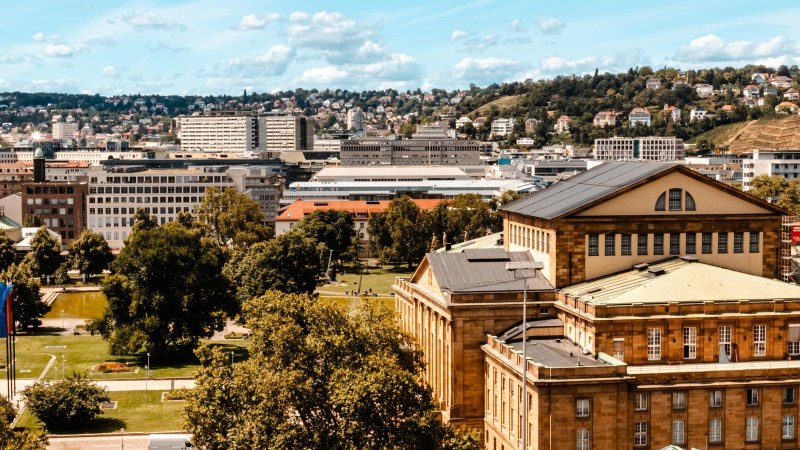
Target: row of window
50,201
162,180
49,211
724,340
674,243
124,221
118,200
532,238
715,399
714,430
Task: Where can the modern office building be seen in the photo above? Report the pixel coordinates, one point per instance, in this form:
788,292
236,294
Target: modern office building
285,132
354,119
225,131
262,184
654,321
438,151
503,127
63,130
653,148
782,163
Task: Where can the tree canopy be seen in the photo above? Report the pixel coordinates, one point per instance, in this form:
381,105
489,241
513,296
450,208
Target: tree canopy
45,255
776,189
65,404
332,228
27,304
232,218
18,438
90,253
326,379
167,291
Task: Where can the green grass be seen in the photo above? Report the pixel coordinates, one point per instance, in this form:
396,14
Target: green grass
137,411
379,280
78,305
81,353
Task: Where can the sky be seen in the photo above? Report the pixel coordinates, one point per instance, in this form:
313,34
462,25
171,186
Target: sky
223,47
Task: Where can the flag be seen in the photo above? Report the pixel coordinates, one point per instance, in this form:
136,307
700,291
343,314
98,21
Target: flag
9,309
4,291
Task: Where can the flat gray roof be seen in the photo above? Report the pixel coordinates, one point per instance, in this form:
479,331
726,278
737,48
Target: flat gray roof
482,270
556,353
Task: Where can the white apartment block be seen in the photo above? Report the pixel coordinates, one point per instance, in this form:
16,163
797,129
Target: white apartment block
639,116
654,148
278,133
697,114
782,163
64,130
354,119
502,127
218,133
114,197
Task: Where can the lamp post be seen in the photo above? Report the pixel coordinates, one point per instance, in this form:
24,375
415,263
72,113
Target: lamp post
524,270
63,367
122,439
231,359
147,372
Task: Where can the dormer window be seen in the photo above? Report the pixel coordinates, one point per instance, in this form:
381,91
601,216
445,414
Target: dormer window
678,201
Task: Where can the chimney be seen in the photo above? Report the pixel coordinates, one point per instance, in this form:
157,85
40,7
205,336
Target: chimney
39,166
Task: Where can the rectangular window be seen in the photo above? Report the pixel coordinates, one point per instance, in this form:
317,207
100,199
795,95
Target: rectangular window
640,402
794,339
759,340
691,244
640,434
715,430
594,245
611,243
641,244
653,344
678,432
675,199
752,397
679,400
725,340
715,398
738,242
706,243
754,244
626,244
619,348
787,430
582,439
658,244
722,242
689,342
582,407
751,429
674,243
788,395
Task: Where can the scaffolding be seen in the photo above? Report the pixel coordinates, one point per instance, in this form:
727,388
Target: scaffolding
790,249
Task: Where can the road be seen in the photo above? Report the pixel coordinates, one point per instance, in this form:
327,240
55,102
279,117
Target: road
156,384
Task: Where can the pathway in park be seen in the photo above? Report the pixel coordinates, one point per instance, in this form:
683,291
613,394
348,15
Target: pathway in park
107,442
155,384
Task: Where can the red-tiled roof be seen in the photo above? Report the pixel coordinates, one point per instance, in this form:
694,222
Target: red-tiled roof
357,208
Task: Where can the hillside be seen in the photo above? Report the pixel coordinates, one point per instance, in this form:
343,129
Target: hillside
778,134
503,103
723,135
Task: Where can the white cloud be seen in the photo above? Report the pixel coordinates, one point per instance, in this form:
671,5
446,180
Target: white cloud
397,67
110,71
273,62
458,34
10,58
336,36
517,26
299,16
39,37
556,65
370,51
104,41
481,70
151,20
58,50
253,22
550,25
712,48
322,76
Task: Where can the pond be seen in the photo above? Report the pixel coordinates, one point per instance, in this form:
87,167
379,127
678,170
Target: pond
78,305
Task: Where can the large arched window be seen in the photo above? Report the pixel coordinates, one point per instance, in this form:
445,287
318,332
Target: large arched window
661,203
677,200
690,206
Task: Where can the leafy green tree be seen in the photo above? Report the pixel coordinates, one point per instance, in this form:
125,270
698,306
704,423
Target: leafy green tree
790,197
167,292
90,253
7,252
767,187
45,255
397,234
62,405
289,263
469,217
232,218
62,274
143,221
32,221
27,304
330,227
18,438
328,379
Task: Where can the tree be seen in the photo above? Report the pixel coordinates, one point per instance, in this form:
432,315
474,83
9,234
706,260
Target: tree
32,221
398,234
328,379
18,438
7,252
167,291
45,255
28,307
143,221
90,253
767,187
469,217
65,404
232,218
790,197
330,227
289,263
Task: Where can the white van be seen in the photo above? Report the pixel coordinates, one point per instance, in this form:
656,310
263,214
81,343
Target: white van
170,442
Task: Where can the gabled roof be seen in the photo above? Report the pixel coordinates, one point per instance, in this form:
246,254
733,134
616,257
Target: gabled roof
603,182
682,281
482,270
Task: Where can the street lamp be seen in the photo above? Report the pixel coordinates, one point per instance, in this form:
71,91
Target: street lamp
122,439
63,367
147,372
231,359
524,270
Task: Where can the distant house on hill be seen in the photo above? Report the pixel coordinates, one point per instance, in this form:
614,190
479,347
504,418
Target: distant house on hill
697,114
780,81
604,118
653,83
791,94
751,91
760,78
562,125
704,90
787,107
639,116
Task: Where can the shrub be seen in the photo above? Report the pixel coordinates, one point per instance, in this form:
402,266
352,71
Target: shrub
72,402
112,367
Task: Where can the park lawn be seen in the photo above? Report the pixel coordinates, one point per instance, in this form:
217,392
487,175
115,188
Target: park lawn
380,280
352,302
136,411
81,353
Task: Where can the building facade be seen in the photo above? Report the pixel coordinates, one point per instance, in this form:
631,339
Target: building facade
782,163
410,152
653,148
639,116
282,132
228,131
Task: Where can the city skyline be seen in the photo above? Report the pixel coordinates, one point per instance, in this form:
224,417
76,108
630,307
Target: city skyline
204,47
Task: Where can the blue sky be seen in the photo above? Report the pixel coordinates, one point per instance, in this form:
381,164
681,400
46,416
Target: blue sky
215,47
